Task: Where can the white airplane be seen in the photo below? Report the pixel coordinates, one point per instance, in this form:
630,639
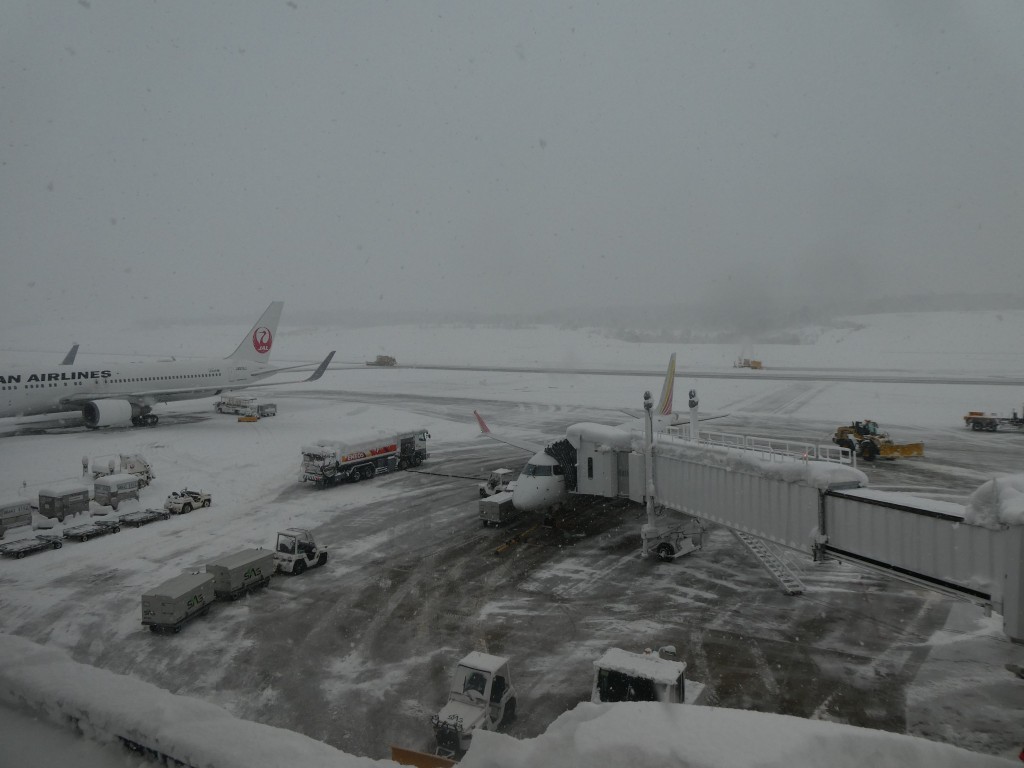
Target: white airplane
120,394
542,483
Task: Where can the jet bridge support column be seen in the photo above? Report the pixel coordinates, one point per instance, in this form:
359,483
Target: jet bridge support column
1013,585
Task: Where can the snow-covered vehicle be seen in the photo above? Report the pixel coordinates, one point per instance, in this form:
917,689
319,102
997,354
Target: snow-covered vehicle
625,676
21,547
130,464
296,550
184,501
499,481
143,516
240,405
92,530
481,697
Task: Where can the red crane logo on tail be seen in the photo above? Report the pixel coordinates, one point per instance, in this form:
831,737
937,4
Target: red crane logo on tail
262,339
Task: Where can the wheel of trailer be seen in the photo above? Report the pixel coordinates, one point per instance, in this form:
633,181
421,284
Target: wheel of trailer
355,476
868,451
206,502
18,555
321,559
299,567
415,461
664,552
402,463
368,472
116,529
57,544
84,537
186,508
510,710
976,426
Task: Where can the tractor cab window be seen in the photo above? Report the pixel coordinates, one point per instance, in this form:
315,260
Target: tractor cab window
286,545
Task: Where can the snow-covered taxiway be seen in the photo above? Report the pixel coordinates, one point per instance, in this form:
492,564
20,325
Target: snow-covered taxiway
356,654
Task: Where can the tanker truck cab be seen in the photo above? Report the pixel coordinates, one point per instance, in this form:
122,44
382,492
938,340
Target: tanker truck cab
481,697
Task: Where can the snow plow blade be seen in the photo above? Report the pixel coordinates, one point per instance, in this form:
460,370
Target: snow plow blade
404,756
905,450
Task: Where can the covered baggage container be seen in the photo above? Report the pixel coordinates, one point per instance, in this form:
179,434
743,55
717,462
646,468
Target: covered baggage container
111,490
167,607
234,575
64,501
14,514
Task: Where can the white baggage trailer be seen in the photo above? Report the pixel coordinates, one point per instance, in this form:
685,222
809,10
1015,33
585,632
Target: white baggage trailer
234,575
497,509
167,607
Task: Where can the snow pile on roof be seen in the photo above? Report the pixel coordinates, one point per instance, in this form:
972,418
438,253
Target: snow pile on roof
645,665
614,438
998,502
652,735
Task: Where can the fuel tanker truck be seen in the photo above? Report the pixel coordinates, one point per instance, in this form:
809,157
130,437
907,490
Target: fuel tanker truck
360,457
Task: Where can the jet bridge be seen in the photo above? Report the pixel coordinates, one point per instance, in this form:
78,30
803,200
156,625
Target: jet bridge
811,500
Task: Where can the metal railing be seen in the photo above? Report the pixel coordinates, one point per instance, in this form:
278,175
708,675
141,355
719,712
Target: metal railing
766,448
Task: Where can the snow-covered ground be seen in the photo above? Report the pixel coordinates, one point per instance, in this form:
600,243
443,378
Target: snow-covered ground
83,600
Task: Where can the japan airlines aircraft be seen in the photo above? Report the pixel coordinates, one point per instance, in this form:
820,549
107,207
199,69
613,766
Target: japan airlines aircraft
120,394
542,483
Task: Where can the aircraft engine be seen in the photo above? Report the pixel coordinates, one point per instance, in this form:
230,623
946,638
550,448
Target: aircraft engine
110,413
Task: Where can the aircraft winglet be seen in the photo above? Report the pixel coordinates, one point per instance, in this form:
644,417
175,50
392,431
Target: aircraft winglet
320,369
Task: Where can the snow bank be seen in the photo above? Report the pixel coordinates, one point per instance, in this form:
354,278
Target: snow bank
104,706
651,735
997,503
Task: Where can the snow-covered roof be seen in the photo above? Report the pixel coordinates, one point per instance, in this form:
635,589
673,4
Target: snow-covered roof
175,586
649,666
239,558
115,479
63,489
613,437
909,500
485,662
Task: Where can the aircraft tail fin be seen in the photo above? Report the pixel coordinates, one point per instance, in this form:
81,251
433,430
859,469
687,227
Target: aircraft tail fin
255,347
483,424
665,402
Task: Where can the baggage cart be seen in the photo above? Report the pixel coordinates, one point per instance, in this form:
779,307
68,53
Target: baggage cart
91,530
144,516
21,547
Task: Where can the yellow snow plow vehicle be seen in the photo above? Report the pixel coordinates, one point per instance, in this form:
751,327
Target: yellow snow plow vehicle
866,442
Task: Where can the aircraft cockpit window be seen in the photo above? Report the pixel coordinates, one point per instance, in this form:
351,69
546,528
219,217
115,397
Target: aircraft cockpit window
534,470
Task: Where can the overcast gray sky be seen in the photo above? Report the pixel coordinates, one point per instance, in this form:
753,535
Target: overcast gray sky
174,156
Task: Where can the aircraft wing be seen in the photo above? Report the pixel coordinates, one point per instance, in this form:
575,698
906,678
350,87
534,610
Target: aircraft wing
151,396
514,442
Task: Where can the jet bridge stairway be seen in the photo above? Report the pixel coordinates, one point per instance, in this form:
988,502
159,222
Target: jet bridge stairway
772,562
